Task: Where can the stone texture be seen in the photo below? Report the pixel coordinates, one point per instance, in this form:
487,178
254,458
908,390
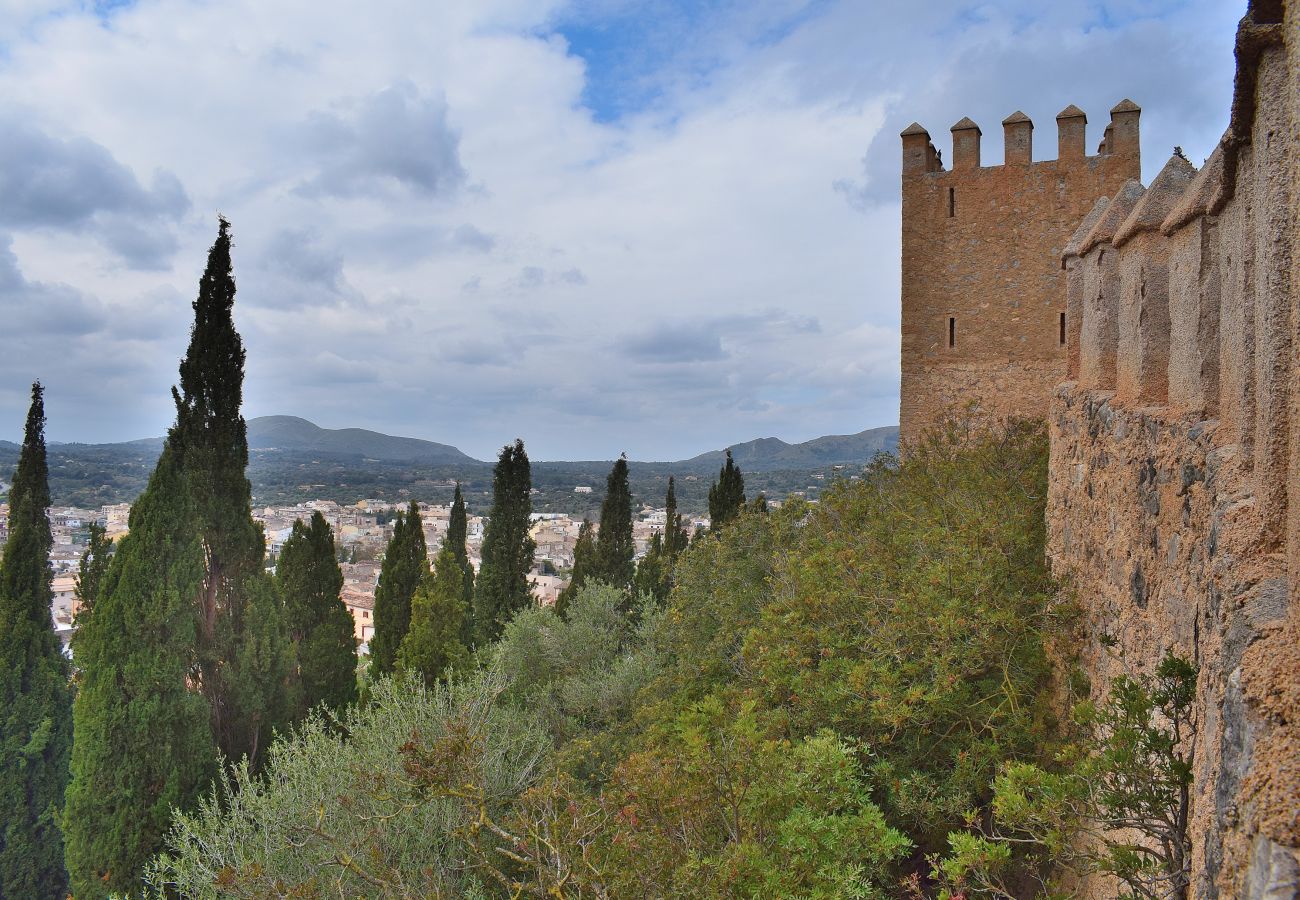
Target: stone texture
1174,480
1171,508
993,267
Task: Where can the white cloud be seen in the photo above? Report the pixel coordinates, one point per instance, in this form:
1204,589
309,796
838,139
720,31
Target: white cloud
435,236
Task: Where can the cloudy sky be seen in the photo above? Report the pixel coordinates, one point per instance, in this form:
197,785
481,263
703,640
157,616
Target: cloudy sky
653,226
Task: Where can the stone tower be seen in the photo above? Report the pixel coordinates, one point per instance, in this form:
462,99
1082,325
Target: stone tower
984,305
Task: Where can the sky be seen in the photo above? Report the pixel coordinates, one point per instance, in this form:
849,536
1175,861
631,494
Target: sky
647,226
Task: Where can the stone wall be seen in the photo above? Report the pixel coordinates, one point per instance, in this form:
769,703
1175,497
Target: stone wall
982,286
1175,461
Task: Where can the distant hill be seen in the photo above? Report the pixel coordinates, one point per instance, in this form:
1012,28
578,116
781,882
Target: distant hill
300,436
293,459
767,454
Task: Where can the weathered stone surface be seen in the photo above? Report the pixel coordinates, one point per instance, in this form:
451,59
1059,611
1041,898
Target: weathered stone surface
1174,480
983,288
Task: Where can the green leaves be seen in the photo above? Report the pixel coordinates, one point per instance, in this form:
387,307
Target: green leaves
432,647
502,588
35,697
406,565
321,631
726,495
1117,803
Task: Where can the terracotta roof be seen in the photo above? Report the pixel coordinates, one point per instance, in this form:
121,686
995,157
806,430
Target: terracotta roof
1016,117
1072,112
1125,105
965,125
1120,206
1159,200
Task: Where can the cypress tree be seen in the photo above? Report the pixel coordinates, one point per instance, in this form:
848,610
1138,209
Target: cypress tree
614,546
35,697
503,588
457,539
406,563
675,537
584,558
242,640
320,627
90,572
432,645
726,495
144,743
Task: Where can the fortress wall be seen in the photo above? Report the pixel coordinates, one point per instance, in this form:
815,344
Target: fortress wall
1171,509
983,290
1194,319
1142,360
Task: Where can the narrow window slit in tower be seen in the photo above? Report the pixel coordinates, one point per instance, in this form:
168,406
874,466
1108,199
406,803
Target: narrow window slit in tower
952,331
1062,329
952,202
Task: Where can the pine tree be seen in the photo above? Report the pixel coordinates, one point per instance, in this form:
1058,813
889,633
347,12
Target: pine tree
406,563
433,645
676,538
90,573
503,588
144,743
320,627
242,643
35,697
727,495
584,558
457,539
614,546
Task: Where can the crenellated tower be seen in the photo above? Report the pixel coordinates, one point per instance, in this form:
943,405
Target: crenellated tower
984,305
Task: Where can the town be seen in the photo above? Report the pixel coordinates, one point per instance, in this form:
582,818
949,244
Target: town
361,532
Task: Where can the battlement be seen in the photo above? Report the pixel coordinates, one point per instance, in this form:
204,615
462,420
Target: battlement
1121,139
984,312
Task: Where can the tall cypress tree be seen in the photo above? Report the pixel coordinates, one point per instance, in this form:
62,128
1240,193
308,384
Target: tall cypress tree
242,642
584,558
457,539
432,645
406,563
675,537
90,573
502,588
320,627
144,742
727,495
614,546
35,698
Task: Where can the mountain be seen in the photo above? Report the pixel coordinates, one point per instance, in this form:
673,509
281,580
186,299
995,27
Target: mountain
767,454
290,433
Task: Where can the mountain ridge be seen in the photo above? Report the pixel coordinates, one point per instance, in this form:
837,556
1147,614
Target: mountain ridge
294,434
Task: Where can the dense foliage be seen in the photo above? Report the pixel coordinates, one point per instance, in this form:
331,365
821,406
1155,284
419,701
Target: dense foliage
243,644
584,560
456,540
502,588
614,546
434,644
144,744
35,697
1128,775
406,565
309,580
824,695
727,494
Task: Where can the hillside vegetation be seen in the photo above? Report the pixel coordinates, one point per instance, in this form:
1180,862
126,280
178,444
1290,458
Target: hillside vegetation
825,695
